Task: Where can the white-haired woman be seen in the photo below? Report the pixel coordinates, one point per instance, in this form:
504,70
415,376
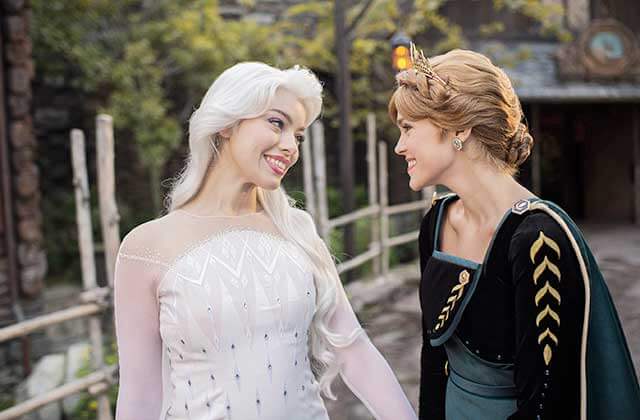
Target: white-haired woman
230,306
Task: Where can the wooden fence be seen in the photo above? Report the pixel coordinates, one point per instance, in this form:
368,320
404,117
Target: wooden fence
378,208
95,300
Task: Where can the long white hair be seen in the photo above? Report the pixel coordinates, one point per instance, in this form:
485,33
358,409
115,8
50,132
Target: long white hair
246,91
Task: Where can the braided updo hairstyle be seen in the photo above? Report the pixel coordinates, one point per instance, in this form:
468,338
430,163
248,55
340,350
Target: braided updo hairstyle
477,94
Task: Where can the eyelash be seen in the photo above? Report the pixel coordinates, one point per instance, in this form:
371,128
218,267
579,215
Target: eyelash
280,124
406,128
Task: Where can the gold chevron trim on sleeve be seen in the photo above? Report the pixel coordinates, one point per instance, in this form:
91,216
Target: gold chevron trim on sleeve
540,269
543,240
547,288
547,353
547,312
455,295
547,333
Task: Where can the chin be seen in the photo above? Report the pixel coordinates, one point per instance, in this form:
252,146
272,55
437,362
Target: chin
416,185
270,185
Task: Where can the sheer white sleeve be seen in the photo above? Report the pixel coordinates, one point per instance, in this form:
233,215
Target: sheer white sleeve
364,369
138,332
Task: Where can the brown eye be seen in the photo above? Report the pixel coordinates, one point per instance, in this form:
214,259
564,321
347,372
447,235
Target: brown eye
300,138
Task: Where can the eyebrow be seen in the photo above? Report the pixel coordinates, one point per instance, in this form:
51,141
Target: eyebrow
284,114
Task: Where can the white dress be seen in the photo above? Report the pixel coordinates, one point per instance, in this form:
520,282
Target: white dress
212,322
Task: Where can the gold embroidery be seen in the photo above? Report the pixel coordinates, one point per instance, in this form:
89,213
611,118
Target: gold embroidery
547,353
456,294
547,289
547,312
542,240
547,333
542,267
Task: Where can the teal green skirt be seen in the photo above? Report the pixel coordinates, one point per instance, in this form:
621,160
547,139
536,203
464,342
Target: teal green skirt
477,389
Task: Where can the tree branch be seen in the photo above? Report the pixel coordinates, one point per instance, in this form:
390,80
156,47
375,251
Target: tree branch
361,14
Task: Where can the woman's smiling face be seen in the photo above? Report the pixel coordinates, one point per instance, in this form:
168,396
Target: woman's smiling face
265,147
427,152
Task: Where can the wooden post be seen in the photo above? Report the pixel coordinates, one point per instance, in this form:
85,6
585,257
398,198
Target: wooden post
372,180
106,192
636,161
85,241
307,175
536,153
384,203
320,171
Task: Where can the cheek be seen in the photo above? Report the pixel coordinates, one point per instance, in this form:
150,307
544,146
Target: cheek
432,156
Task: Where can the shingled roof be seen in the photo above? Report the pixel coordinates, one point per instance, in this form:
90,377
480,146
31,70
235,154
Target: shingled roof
536,80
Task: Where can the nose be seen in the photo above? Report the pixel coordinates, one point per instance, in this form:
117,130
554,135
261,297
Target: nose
400,148
288,143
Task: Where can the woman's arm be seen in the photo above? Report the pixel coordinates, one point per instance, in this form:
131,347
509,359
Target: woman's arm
365,371
138,334
549,308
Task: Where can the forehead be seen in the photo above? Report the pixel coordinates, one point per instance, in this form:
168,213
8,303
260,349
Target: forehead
286,101
400,117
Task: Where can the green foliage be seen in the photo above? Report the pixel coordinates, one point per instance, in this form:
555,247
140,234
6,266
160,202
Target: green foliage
87,406
148,63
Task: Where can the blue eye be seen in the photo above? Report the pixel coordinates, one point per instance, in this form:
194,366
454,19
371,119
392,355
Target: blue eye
277,122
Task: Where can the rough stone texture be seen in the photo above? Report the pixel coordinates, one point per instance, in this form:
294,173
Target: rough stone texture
18,68
48,374
77,357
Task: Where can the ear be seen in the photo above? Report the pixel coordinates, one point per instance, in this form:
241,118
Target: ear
226,133
464,134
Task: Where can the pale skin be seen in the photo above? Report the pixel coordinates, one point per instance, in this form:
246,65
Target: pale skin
246,159
486,192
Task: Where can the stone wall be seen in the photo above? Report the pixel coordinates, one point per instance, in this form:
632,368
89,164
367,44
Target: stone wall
26,230
19,72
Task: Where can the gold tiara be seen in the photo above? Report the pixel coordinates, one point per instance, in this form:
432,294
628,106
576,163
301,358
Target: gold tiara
421,64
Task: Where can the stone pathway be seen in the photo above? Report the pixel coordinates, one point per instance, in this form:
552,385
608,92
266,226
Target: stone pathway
390,312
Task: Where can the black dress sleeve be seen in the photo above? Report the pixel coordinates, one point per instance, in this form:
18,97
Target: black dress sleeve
433,378
549,312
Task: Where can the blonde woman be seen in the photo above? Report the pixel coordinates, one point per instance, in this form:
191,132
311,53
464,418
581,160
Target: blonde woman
230,306
517,321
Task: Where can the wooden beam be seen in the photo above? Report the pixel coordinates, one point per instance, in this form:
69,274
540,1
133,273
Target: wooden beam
372,181
384,203
26,327
87,251
307,176
635,121
89,382
320,172
107,192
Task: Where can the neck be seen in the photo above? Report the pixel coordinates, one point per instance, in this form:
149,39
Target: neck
225,192
485,192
